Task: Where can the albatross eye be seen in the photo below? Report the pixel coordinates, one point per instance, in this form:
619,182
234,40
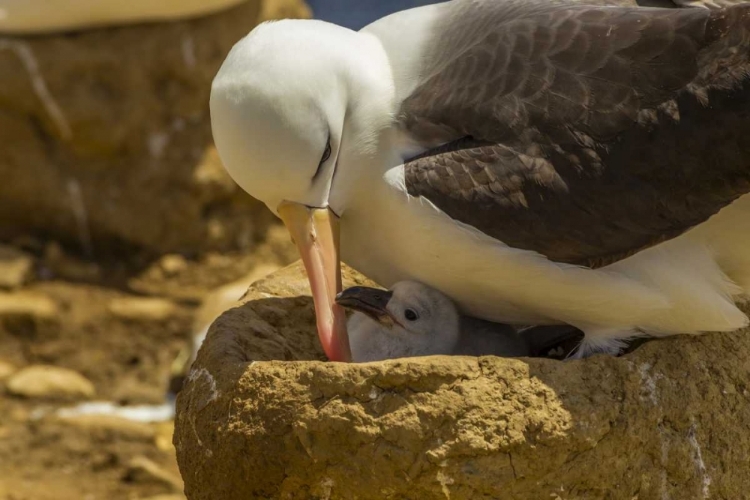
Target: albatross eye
411,315
326,153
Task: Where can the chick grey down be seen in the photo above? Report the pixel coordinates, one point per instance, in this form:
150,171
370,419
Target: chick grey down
413,319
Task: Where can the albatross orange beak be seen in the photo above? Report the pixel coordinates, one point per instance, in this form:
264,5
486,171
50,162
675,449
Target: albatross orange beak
316,234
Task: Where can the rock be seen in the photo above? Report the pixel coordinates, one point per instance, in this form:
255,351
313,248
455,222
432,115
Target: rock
163,439
142,308
58,264
105,427
166,497
214,303
6,370
224,297
143,470
106,136
19,414
173,264
260,417
214,270
28,304
127,360
23,16
52,382
132,391
15,268
284,9
211,176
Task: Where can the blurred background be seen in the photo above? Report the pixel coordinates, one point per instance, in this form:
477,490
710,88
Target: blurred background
356,14
121,236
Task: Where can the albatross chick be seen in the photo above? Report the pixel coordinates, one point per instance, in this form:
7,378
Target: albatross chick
413,319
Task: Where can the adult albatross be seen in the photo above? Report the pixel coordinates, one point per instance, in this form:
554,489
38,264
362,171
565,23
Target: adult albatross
538,162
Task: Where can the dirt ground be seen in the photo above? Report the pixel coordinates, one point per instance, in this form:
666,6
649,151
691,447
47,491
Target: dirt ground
122,334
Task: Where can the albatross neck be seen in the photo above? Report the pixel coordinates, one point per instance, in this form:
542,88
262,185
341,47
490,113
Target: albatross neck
369,135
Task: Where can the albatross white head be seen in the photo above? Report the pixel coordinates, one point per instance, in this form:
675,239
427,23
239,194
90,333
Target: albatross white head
297,110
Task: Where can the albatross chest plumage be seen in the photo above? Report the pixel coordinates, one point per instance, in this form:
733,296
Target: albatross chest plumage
536,162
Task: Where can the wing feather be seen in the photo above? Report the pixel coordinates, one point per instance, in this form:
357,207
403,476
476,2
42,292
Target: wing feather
584,133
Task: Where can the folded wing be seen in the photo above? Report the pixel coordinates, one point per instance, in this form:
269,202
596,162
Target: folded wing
583,133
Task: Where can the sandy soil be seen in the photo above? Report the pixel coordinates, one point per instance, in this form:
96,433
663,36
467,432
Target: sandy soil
123,334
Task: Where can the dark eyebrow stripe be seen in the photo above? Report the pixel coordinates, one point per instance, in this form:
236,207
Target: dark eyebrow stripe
326,156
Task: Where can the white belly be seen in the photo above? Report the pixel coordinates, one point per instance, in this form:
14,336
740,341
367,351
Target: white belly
676,287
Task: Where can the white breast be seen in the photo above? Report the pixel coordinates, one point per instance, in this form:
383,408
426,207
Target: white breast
391,236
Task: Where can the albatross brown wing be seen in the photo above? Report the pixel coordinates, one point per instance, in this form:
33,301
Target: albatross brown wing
583,133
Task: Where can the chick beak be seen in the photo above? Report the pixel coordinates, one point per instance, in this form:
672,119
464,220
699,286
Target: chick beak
369,301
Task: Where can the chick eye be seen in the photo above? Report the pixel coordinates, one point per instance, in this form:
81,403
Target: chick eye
411,315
